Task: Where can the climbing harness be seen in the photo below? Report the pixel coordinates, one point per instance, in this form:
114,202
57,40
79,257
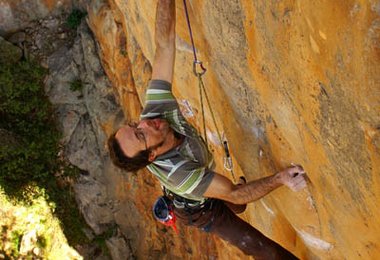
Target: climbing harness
181,202
199,70
163,212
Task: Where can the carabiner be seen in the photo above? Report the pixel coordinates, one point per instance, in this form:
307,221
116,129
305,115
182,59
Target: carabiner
196,73
227,159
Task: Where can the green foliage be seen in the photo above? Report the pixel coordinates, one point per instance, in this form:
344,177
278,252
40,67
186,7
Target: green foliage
26,112
101,239
75,18
16,238
42,242
8,52
30,157
76,85
38,222
67,211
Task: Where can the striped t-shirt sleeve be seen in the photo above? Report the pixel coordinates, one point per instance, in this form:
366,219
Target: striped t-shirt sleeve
159,99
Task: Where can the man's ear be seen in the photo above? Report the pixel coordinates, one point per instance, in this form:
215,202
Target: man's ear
152,156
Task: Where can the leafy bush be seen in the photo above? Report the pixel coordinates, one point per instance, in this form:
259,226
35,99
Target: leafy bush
75,18
26,112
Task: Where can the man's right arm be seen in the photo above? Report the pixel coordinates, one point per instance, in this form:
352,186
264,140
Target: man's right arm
163,64
222,188
159,98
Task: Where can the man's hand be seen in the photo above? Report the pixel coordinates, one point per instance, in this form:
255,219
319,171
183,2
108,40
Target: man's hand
293,177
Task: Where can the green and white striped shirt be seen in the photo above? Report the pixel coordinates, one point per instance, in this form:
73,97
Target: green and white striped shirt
184,170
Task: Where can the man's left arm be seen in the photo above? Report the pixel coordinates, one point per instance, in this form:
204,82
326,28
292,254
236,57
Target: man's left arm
222,188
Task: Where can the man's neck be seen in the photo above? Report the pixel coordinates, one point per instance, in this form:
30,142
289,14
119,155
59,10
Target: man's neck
173,140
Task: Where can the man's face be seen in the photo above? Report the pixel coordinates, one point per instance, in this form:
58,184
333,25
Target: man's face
148,134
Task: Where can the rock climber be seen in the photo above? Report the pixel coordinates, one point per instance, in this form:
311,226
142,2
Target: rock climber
173,151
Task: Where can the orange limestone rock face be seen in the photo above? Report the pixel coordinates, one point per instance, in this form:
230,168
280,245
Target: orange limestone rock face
289,81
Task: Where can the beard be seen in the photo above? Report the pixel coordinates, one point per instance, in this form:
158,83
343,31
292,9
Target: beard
163,133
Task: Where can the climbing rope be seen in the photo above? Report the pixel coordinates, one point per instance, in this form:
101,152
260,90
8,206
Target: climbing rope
196,61
202,91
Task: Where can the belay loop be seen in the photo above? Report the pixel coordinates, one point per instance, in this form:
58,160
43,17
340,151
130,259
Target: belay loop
199,70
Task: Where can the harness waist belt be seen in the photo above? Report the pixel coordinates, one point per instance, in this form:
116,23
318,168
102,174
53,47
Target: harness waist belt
181,202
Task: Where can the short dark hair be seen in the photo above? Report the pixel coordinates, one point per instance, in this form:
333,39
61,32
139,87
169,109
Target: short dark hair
124,162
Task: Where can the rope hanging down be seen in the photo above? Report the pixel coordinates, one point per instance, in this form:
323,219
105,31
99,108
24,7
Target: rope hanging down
196,61
202,90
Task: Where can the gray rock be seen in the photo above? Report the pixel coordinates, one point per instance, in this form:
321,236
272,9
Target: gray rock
70,116
14,17
92,63
83,150
17,38
39,41
81,114
51,23
60,59
92,198
62,35
119,248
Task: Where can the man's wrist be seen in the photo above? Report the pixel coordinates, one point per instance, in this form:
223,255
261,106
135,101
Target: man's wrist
279,178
